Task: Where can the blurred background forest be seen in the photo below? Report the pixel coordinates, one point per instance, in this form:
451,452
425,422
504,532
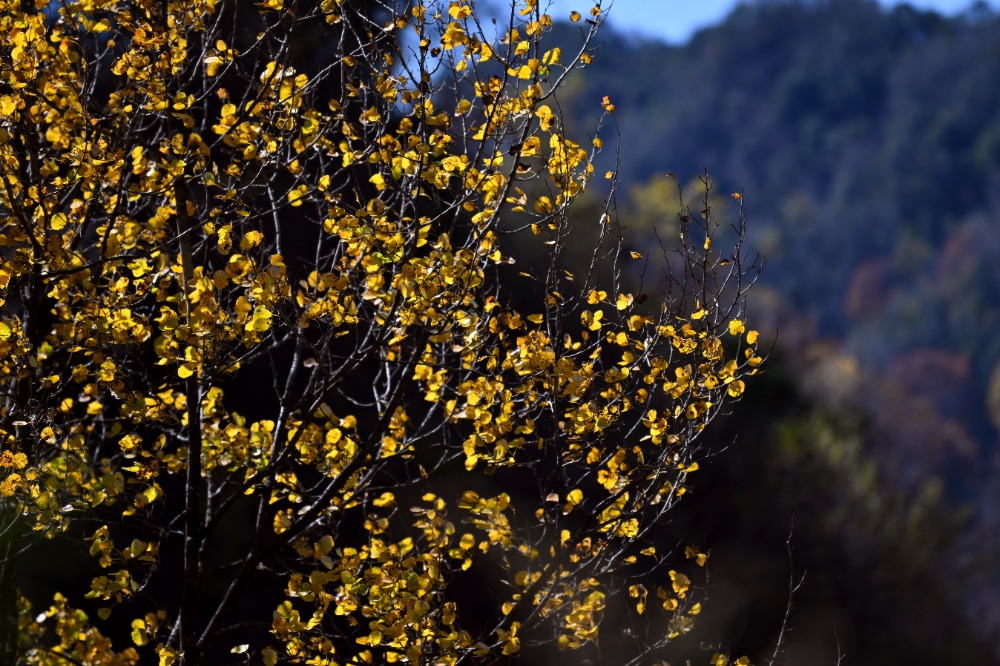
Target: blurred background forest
866,142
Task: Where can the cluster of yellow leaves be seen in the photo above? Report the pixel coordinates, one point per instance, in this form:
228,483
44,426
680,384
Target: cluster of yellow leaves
73,638
395,590
12,480
719,659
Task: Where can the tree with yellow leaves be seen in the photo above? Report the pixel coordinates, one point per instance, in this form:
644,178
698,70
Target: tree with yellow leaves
271,368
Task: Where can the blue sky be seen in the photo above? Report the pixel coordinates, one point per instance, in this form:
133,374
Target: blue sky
675,20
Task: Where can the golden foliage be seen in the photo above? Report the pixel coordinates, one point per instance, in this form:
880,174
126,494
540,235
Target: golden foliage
190,215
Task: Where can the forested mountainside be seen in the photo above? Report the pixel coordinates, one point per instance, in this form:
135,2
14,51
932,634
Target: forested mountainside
866,143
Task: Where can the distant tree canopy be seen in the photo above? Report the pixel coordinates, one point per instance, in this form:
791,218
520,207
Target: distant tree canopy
271,382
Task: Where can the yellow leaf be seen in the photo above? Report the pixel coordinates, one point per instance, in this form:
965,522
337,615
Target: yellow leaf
7,105
736,327
546,118
58,221
295,196
260,320
628,529
595,323
680,583
385,499
752,337
453,36
251,239
526,71
543,205
575,496
168,656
